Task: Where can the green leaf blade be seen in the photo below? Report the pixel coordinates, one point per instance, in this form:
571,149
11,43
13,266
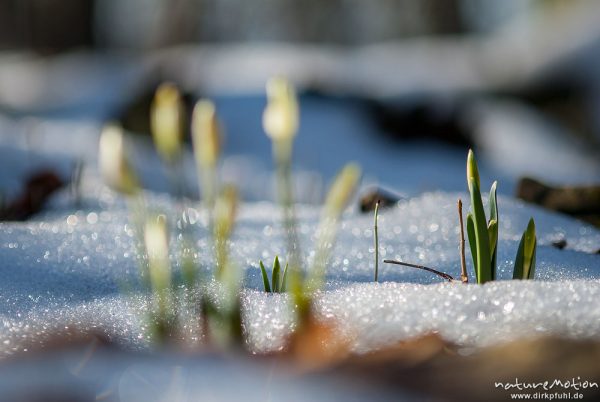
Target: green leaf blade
283,287
472,242
529,250
518,269
494,215
481,234
472,170
275,281
265,278
526,254
493,236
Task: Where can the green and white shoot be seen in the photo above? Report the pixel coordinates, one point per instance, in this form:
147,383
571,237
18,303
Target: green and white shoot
225,214
156,240
118,174
115,168
206,142
223,322
339,196
166,122
280,122
525,259
482,234
167,117
278,281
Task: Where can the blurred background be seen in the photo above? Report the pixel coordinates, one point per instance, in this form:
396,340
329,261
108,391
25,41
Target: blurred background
404,87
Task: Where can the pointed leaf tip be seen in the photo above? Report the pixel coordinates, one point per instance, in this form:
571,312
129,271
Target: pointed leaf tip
275,275
472,169
265,278
283,287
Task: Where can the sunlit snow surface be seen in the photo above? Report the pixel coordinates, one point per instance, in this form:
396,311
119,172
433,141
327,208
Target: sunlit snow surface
70,270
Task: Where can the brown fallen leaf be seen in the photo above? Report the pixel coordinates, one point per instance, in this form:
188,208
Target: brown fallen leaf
38,188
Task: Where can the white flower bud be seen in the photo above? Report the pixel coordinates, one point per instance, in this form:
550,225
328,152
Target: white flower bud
114,165
166,121
205,134
472,171
280,118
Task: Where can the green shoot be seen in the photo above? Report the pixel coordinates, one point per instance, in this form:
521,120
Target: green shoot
113,159
167,116
223,323
224,215
284,278
265,277
118,173
525,259
206,143
280,122
493,227
376,240
276,285
483,233
477,226
156,240
166,122
337,199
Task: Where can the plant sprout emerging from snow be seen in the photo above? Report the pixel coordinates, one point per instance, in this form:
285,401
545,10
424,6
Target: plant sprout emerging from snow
280,118
167,116
225,213
166,122
114,163
483,238
339,195
156,240
278,281
525,260
483,234
301,289
376,233
280,122
206,142
223,323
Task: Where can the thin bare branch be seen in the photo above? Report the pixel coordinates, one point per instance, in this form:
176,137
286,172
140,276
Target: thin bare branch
463,264
444,275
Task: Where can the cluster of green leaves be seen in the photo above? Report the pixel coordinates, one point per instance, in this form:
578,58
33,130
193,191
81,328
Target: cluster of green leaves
483,233
278,281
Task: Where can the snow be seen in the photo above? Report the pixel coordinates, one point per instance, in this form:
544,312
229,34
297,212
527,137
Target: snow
69,268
